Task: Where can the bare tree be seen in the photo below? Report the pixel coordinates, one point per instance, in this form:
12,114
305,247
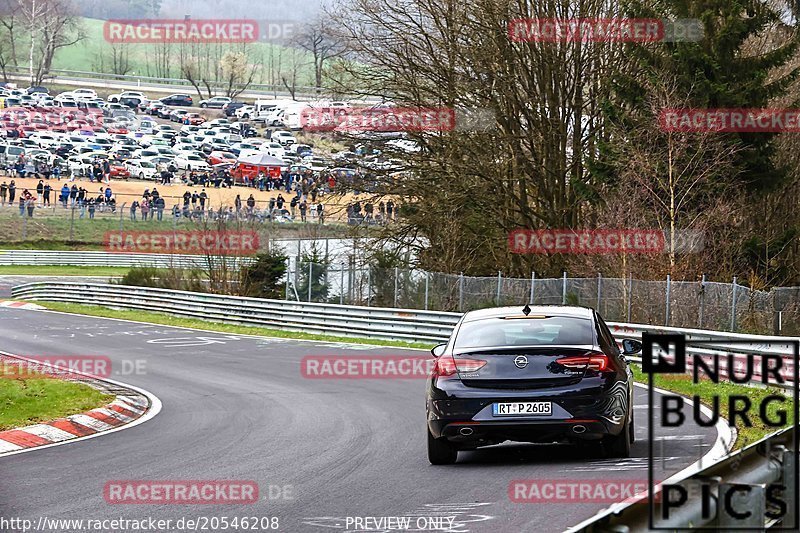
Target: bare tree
319,40
51,25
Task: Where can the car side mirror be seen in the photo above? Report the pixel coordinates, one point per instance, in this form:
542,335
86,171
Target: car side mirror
438,350
630,346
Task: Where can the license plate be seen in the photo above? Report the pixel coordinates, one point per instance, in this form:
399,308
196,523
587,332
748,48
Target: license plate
522,409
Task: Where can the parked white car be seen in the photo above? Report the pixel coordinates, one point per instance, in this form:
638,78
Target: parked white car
139,168
185,161
283,137
84,94
127,94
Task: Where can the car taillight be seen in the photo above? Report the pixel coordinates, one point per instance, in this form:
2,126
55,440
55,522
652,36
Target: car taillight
593,361
447,365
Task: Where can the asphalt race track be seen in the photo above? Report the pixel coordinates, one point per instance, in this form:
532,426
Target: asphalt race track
238,408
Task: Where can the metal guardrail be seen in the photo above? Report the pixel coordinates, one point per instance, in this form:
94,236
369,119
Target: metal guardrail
98,258
385,323
372,322
168,85
769,462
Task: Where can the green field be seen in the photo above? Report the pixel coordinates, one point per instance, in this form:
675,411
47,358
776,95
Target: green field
59,230
705,390
94,53
29,398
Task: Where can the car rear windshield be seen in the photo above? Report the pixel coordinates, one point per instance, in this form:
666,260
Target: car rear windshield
548,331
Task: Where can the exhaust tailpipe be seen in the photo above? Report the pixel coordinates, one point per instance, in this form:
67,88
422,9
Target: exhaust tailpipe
579,429
466,431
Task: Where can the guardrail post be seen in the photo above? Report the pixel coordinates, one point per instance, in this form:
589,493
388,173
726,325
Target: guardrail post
461,292
630,295
702,302
790,517
427,282
669,290
564,289
396,274
599,285
310,275
369,285
499,286
288,276
533,286
733,305
72,225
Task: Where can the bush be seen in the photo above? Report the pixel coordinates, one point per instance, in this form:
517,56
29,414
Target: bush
165,278
264,277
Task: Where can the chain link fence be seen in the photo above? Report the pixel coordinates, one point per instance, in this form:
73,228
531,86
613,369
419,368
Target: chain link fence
706,305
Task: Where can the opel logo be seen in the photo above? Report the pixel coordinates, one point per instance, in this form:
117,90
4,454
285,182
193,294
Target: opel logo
521,361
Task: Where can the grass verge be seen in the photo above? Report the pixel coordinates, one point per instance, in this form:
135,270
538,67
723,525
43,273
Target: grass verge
706,390
29,398
170,320
62,270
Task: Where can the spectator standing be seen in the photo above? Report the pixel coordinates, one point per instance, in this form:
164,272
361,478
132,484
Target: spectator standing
134,207
40,188
12,191
64,195
203,197
320,214
187,196
293,204
303,209
238,204
145,208
73,194
92,207
159,205
251,205
3,193
30,203
389,210
46,192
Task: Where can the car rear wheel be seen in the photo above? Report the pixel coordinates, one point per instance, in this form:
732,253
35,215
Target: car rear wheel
619,445
440,451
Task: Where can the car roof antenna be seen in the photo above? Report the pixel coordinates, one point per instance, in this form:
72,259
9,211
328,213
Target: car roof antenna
526,310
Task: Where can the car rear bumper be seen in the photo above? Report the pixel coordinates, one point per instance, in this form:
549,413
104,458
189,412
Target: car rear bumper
473,434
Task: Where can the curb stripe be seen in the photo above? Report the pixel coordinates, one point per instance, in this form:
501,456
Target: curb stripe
21,438
90,422
102,417
8,447
123,411
49,432
71,427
